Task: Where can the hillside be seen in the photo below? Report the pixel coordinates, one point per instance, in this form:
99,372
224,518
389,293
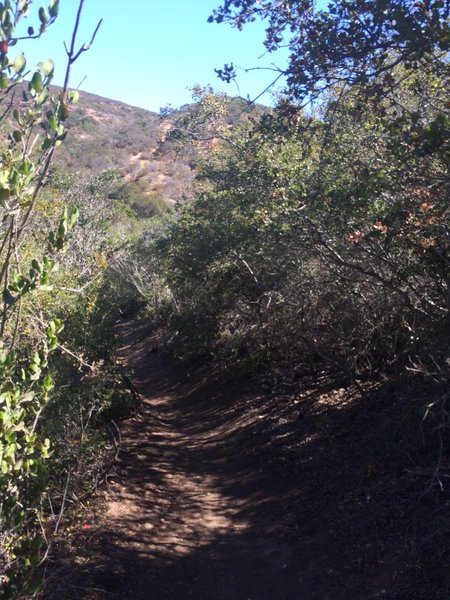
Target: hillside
107,134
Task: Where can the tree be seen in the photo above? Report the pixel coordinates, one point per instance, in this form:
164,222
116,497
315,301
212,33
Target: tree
349,42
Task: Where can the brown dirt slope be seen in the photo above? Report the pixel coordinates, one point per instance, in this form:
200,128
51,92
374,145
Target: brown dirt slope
226,493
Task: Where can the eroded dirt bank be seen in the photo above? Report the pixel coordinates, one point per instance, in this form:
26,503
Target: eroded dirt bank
225,493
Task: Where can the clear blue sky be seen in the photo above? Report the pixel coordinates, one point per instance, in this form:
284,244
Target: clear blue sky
149,52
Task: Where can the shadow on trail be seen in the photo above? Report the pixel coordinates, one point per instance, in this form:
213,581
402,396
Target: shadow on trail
223,493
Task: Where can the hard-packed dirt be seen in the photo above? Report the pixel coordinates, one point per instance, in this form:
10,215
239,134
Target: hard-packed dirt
227,490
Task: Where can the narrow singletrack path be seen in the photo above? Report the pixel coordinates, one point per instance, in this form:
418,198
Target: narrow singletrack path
224,492
191,513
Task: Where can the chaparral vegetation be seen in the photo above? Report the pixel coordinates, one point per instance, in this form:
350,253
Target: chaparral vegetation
277,245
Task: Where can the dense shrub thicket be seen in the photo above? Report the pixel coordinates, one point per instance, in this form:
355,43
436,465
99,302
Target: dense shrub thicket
322,232
58,385
322,235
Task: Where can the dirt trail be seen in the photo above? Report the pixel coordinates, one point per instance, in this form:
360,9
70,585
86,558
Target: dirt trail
189,516
223,493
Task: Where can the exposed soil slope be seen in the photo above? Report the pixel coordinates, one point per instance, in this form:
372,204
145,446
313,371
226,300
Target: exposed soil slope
225,493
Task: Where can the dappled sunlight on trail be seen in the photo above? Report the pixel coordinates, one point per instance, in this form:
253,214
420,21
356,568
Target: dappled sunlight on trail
183,499
224,492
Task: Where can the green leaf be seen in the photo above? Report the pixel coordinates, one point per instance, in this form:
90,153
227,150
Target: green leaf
4,83
62,229
16,115
48,383
19,63
43,16
73,96
35,372
36,265
17,135
43,96
25,168
48,67
74,216
53,8
28,397
46,144
36,83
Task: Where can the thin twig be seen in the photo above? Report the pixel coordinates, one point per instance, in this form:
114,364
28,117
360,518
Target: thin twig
72,54
63,504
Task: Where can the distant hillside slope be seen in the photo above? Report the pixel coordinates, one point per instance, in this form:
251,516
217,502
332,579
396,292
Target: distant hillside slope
107,134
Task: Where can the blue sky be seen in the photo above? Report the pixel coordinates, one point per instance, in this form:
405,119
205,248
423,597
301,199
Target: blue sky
149,52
